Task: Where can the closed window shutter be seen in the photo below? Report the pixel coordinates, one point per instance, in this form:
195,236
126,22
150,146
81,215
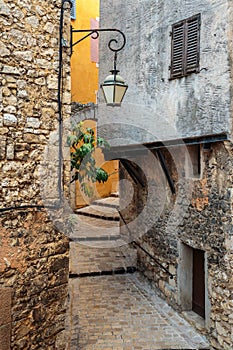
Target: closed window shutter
185,50
178,47
73,10
193,44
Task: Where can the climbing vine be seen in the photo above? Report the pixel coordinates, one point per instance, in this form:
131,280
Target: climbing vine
82,143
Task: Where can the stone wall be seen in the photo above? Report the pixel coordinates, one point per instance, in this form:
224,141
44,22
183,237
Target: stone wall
199,216
34,265
33,253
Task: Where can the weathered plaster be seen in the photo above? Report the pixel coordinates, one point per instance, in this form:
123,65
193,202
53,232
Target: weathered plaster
197,105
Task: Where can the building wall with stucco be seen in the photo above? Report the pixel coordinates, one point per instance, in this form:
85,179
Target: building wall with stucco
176,197
195,105
84,67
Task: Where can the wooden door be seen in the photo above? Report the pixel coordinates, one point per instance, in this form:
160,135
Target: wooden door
198,304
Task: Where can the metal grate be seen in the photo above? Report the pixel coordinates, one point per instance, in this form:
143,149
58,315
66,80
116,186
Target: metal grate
185,48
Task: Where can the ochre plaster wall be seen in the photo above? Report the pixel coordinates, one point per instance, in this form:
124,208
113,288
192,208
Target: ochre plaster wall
84,73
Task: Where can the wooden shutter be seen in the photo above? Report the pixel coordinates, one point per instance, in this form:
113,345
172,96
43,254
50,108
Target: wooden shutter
192,45
178,47
185,47
73,10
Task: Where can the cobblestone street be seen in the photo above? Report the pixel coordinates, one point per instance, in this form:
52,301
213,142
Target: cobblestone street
122,312
114,307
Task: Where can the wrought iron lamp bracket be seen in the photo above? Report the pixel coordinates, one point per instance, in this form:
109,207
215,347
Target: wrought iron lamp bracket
95,33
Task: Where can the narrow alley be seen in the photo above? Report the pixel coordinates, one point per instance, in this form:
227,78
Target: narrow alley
101,100
112,306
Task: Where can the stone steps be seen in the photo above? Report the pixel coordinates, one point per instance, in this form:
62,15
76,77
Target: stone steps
112,202
89,261
99,211
97,247
99,223
94,231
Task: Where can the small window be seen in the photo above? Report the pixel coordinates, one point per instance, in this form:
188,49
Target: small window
73,10
185,47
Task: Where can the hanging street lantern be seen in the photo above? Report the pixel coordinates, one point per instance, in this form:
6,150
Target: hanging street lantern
114,89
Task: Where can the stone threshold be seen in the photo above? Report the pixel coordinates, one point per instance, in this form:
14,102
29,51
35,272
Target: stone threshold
195,320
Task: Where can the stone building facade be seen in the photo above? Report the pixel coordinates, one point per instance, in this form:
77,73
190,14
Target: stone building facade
173,136
34,254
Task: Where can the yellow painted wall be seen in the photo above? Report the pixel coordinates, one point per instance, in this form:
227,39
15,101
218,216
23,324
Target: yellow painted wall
103,189
84,73
84,85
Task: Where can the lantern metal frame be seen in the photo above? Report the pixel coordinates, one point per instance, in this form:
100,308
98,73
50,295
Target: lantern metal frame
114,46
117,82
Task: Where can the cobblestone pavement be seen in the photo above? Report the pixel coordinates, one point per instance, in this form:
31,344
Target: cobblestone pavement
88,260
116,311
123,312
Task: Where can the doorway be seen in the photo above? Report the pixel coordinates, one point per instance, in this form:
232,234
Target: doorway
193,282
198,288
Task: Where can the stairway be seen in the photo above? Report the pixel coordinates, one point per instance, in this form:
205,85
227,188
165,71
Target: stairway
99,222
104,208
97,247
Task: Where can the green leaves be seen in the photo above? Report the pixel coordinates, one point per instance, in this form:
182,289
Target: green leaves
101,175
71,140
102,143
82,143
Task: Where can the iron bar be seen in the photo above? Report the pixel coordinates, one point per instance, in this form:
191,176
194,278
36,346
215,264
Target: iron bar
145,251
132,172
155,260
96,33
165,170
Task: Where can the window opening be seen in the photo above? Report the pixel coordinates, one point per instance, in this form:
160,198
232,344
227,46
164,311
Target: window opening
185,47
73,10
